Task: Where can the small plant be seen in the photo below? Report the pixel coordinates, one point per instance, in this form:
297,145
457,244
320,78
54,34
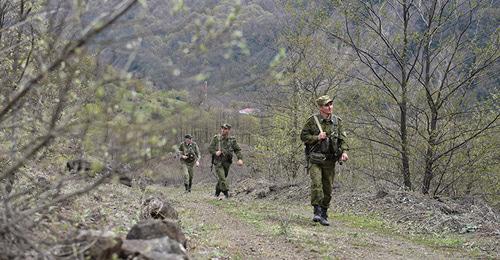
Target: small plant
284,226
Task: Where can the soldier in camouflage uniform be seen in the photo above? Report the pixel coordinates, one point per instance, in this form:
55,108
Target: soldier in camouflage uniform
325,146
189,156
222,148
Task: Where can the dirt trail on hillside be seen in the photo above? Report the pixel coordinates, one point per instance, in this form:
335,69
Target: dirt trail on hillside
259,229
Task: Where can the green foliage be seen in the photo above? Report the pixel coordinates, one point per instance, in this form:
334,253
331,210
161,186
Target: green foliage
202,41
280,148
81,108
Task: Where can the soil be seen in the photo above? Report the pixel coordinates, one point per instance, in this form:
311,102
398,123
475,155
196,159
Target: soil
242,228
266,220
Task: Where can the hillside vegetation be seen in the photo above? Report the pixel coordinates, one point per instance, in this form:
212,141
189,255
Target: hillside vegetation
97,94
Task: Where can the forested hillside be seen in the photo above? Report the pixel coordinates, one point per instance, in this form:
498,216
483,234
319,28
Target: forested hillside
96,96
226,44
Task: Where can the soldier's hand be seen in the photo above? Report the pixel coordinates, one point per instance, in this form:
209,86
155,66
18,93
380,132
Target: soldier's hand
344,157
197,164
322,136
218,153
184,157
239,162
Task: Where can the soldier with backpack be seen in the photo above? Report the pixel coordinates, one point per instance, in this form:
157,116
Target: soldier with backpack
189,156
325,144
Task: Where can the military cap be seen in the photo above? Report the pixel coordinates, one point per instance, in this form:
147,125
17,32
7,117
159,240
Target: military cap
323,100
188,136
225,125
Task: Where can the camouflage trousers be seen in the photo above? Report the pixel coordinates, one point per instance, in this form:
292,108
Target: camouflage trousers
221,170
321,183
187,171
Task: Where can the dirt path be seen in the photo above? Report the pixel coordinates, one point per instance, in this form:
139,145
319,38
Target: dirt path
264,229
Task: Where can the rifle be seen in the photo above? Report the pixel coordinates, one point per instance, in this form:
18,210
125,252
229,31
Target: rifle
214,157
212,164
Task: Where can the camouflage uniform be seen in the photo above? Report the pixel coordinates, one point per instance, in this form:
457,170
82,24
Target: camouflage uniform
193,153
228,146
322,174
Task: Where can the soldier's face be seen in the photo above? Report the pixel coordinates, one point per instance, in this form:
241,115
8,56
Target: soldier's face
187,140
224,131
326,109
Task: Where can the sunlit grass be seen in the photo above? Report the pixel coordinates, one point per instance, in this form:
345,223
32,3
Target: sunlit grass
449,241
376,224
366,222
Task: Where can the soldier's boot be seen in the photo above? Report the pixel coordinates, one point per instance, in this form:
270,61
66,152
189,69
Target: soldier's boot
317,214
217,192
226,194
324,217
189,186
186,187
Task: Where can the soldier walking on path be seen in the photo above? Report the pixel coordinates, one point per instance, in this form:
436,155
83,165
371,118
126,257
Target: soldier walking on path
222,148
325,144
189,156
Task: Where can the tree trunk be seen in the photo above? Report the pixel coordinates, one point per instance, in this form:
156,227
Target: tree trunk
405,161
429,156
431,141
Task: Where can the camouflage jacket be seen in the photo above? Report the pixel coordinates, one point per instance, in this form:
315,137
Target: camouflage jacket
190,150
334,130
228,146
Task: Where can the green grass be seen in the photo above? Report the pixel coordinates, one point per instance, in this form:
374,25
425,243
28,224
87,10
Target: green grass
292,222
250,215
375,224
442,240
120,230
372,223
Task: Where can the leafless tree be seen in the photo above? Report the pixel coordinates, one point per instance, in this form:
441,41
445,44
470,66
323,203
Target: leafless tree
456,57
422,61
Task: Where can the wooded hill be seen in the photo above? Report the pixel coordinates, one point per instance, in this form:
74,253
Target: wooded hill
227,44
118,83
